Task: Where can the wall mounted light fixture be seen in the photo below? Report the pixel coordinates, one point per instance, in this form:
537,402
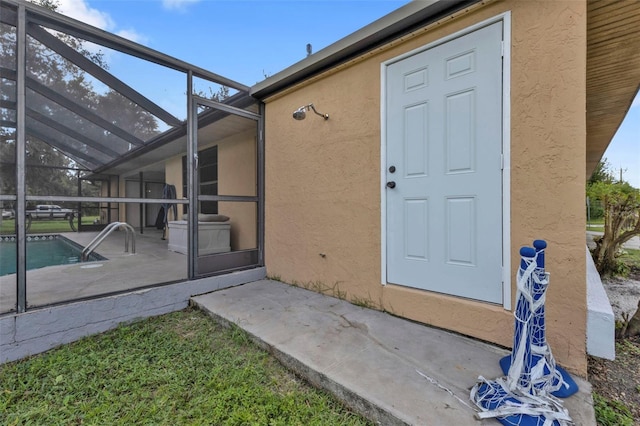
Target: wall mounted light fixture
301,112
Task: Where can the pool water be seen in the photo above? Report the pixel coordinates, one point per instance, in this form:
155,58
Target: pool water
43,250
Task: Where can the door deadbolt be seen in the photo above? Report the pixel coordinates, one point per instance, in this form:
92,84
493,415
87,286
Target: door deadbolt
392,169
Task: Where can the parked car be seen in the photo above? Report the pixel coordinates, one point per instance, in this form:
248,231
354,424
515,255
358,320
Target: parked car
8,214
45,211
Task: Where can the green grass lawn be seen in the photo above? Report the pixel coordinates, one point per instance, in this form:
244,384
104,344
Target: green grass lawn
177,369
631,258
596,225
44,226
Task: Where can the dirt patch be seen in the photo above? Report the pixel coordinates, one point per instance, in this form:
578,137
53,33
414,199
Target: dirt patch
623,294
619,380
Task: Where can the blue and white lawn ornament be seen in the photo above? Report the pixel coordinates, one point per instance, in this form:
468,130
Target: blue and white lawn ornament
539,347
528,393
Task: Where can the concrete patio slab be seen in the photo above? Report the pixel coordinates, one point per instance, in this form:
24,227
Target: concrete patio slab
152,264
391,370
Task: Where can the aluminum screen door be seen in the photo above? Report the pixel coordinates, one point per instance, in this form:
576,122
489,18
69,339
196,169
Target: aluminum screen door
237,242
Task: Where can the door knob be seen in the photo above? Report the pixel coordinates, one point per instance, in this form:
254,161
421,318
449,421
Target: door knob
391,184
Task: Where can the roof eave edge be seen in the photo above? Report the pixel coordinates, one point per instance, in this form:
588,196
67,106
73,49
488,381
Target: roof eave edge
392,26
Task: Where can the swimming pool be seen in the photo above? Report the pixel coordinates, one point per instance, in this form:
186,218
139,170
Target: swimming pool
42,250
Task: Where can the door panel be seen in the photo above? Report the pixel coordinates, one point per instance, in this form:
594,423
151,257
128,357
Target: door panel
416,126
461,231
460,133
416,229
444,141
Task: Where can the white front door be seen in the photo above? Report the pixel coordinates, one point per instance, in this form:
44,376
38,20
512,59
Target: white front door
444,167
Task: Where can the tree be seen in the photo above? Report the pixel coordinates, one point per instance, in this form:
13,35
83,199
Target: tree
127,115
602,173
52,73
49,170
621,204
219,95
630,325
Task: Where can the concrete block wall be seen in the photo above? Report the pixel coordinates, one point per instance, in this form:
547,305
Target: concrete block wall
601,323
39,330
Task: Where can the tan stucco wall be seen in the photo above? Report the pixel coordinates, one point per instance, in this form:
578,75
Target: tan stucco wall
323,179
237,168
173,175
109,188
122,209
236,176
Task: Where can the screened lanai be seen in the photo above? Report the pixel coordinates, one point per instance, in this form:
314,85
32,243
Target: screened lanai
121,167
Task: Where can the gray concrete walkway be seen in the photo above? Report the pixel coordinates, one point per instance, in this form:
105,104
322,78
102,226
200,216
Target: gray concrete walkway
392,370
633,243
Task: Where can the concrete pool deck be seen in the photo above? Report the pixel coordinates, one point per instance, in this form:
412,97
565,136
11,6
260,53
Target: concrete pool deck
152,264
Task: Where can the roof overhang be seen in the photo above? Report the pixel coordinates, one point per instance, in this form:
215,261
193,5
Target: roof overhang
152,156
613,71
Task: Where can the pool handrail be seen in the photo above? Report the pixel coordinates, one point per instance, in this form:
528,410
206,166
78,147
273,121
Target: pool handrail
104,233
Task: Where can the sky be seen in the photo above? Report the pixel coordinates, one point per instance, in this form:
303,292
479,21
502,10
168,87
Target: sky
248,40
624,151
241,40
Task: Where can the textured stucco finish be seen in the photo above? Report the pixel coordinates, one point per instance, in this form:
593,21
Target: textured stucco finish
237,168
122,207
323,178
237,171
173,174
